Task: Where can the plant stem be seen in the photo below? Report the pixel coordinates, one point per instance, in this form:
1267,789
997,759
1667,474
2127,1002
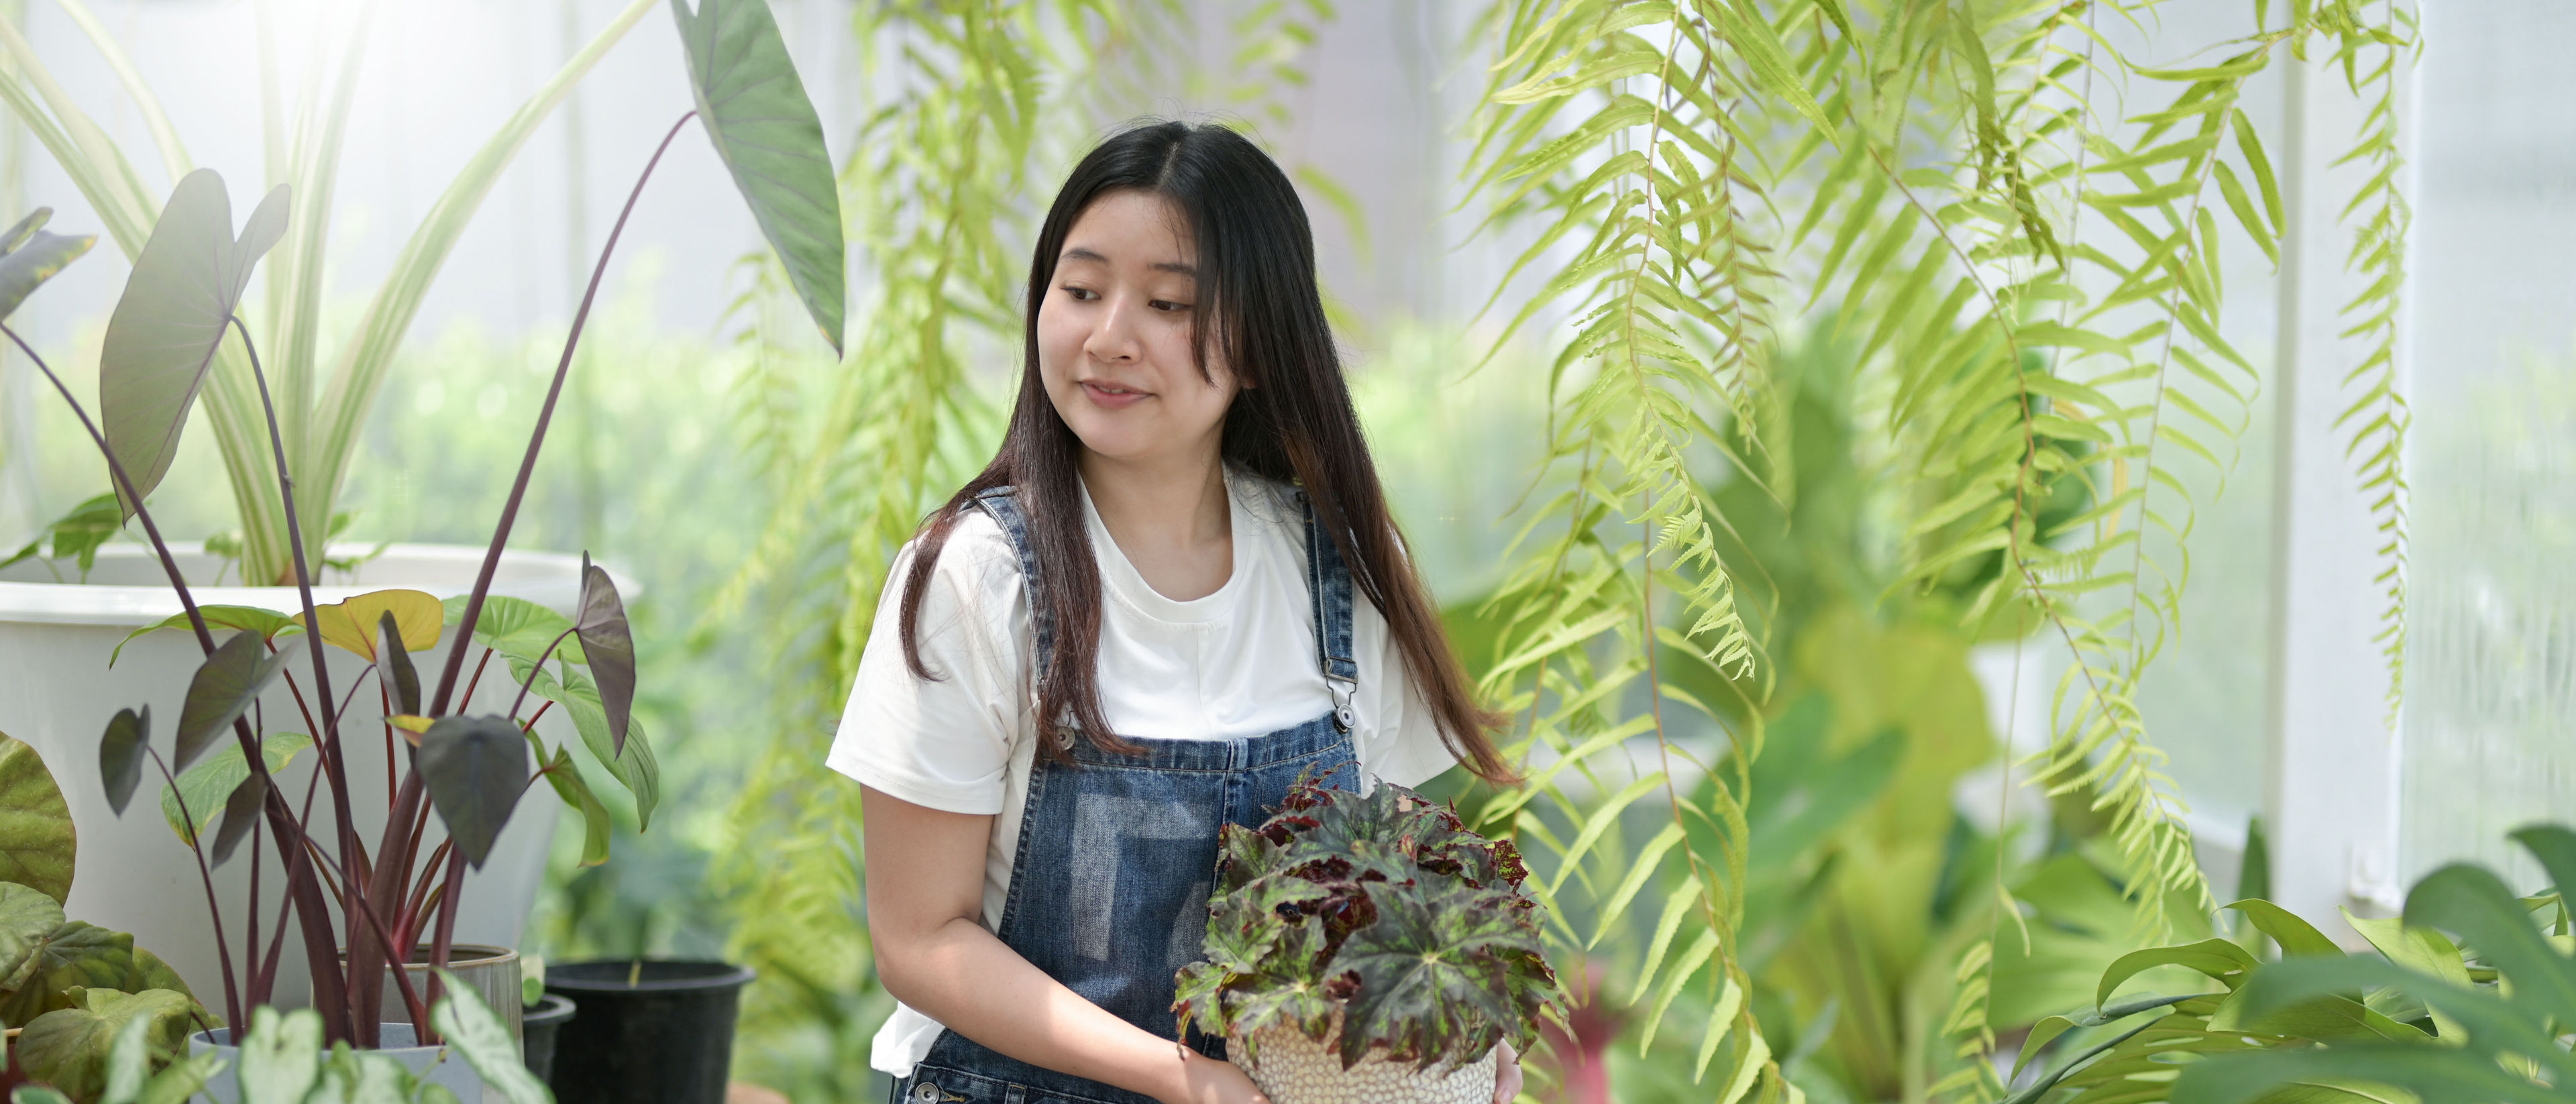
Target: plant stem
449,891
169,563
537,669
537,439
206,877
365,1015
328,996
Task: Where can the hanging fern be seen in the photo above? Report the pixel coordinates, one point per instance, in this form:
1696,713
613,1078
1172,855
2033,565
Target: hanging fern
2378,417
2019,224
943,170
1614,130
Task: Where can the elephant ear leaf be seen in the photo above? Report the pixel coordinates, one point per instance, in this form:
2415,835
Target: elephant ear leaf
765,128
164,331
395,661
610,647
37,843
120,755
474,768
223,689
29,256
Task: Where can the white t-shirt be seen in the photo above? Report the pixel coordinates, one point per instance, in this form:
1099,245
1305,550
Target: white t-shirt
1235,664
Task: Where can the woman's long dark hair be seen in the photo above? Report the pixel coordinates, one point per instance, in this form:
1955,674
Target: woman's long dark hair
1292,421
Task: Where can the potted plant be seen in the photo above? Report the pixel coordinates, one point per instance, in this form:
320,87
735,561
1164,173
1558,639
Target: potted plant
283,1061
66,986
379,904
2469,997
648,1029
1368,947
62,614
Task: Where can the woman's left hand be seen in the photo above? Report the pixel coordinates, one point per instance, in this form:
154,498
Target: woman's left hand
1507,1073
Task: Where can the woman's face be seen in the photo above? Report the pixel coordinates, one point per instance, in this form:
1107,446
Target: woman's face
1114,334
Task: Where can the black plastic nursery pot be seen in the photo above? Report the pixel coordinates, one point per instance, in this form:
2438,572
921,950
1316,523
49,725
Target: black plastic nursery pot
538,1024
647,1030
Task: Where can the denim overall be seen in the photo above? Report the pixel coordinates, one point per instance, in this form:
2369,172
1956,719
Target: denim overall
1117,854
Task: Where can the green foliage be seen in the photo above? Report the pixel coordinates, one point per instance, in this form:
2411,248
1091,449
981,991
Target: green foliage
30,255
38,846
75,536
2033,288
963,130
1385,908
191,805
756,112
177,305
320,413
72,1048
2426,1018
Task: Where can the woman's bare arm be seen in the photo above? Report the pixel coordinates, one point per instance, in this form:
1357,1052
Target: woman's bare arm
925,886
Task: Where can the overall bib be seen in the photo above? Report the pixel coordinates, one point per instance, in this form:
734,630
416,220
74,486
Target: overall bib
1117,854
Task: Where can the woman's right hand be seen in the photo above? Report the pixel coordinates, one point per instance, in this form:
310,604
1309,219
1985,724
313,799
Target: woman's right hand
1206,1080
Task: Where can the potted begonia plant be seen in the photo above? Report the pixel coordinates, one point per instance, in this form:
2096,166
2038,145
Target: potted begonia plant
1369,947
358,908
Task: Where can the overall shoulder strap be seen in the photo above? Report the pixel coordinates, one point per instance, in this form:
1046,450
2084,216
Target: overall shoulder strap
1003,504
1328,582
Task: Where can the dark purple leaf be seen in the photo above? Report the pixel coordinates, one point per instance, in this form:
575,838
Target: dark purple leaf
475,768
241,810
29,257
610,649
393,665
166,326
225,686
120,754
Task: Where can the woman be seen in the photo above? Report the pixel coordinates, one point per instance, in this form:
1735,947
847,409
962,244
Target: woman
1182,559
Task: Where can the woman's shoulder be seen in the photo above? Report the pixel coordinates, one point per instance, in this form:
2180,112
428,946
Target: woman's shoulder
1272,501
976,555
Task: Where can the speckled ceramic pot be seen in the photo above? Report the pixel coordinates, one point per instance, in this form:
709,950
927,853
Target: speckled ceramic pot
1294,1069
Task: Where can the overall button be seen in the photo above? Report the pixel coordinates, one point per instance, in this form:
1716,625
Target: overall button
1342,718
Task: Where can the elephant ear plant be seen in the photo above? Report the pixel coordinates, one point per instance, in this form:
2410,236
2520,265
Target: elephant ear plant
1380,912
2469,995
183,297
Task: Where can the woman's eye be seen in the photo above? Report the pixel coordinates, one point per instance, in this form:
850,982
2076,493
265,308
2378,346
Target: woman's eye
1167,305
1082,294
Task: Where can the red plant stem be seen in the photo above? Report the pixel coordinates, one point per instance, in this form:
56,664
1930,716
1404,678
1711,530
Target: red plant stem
537,669
532,719
468,701
409,923
418,1008
206,877
327,996
364,1017
297,689
169,563
449,888
351,698
250,905
545,414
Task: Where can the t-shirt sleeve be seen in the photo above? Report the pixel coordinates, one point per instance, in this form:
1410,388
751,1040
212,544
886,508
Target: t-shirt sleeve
1400,736
944,742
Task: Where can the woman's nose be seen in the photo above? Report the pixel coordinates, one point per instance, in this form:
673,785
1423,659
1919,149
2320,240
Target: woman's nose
1113,338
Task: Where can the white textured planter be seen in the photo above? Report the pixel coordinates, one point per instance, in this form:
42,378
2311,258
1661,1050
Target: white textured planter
1293,1069
57,693
434,1064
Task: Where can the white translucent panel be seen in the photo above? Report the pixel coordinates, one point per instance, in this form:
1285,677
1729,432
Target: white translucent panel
2490,715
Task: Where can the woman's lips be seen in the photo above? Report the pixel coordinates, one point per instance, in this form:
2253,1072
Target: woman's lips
1113,398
